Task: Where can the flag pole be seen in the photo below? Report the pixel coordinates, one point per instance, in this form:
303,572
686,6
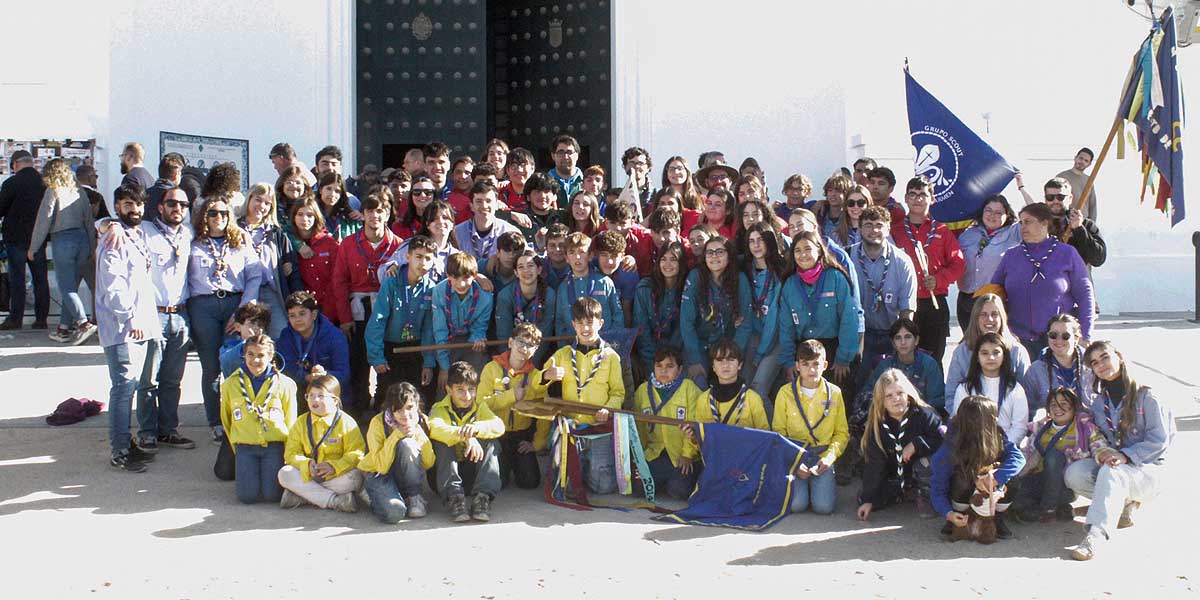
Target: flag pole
1087,187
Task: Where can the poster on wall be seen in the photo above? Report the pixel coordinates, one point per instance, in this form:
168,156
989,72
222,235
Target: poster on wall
202,151
77,152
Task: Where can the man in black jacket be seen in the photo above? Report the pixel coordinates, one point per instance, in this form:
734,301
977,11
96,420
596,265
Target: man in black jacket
170,172
1081,232
20,196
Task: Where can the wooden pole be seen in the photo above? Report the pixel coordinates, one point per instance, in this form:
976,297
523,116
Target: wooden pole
923,262
537,408
1087,187
463,345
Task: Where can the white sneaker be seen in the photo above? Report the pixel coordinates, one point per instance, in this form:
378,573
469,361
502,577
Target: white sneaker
416,506
1086,550
290,500
60,335
344,503
82,333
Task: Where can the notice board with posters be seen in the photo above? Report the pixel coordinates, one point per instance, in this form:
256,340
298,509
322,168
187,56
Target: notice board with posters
76,152
203,151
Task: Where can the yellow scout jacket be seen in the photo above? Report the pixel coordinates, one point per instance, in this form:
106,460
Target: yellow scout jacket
276,400
499,396
656,438
828,420
444,423
606,388
751,414
343,448
381,451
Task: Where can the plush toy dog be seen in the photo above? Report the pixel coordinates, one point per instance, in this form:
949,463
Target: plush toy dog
981,519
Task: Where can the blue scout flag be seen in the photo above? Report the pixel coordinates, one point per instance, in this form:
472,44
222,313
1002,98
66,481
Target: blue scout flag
746,482
1153,101
621,339
963,168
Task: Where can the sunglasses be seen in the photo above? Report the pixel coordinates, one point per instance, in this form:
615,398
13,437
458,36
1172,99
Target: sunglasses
1054,335
853,203
212,212
174,204
1055,197
422,192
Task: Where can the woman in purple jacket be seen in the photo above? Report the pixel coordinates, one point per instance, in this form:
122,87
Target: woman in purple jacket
1043,277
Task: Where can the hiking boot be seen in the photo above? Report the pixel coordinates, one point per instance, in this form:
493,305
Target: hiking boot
125,462
925,508
344,503
1086,550
1025,515
61,335
290,500
416,506
1064,513
10,325
458,508
83,333
39,325
481,507
174,440
140,455
149,445
1002,530
1126,520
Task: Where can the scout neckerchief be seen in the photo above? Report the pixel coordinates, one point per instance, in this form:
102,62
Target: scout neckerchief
1069,377
923,246
384,252
897,439
1037,441
455,331
220,265
809,296
661,390
265,233
316,446
985,238
468,417
522,305
481,247
591,284
812,429
412,308
172,238
739,403
582,383
138,241
305,349
1109,409
510,374
876,289
718,305
760,301
664,323
259,410
1037,263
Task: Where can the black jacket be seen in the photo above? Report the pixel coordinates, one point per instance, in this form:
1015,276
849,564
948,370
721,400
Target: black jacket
154,196
1086,240
20,197
923,430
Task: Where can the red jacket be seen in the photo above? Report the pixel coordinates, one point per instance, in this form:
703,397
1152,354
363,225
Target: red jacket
515,201
461,203
317,272
356,267
639,243
403,231
689,220
946,262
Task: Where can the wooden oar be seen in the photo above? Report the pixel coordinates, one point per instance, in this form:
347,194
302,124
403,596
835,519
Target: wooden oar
552,407
464,345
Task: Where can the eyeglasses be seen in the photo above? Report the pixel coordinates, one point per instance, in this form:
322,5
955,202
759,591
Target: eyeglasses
213,213
917,195
996,212
524,344
853,203
1055,197
1054,335
567,152
715,252
174,204
422,191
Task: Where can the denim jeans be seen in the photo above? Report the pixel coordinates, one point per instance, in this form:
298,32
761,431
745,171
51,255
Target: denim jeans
819,493
762,376
404,480
1047,488
1110,488
158,410
207,316
17,261
274,301
462,477
130,372
71,248
599,464
257,472
668,479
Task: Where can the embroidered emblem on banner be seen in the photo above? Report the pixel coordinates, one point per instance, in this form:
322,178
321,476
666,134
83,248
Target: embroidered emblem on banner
556,33
937,159
422,27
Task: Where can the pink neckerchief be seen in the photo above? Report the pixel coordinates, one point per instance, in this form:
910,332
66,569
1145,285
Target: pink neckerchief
810,276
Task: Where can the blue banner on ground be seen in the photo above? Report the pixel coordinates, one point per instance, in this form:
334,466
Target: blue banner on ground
964,169
746,481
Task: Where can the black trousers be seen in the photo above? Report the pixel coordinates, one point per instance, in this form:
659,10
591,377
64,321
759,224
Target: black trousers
401,367
360,371
966,302
517,468
934,325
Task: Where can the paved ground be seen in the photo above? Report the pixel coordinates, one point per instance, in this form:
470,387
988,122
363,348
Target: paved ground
75,528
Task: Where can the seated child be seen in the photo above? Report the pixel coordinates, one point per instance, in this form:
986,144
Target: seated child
462,311
668,394
902,432
510,378
465,434
323,448
594,378
399,453
258,407
1060,434
249,320
976,455
310,340
810,411
730,400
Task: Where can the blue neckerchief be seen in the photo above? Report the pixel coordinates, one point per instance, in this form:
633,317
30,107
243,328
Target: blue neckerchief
1037,440
257,382
303,349
1068,377
316,446
663,391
